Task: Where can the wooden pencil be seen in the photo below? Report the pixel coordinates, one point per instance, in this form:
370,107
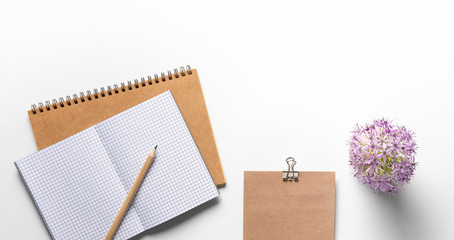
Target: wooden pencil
135,187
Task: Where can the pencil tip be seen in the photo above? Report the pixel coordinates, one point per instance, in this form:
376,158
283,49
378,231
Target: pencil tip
156,147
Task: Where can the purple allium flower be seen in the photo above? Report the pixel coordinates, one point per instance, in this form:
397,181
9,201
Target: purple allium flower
382,155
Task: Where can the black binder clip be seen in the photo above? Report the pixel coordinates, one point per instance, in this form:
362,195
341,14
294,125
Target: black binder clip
290,174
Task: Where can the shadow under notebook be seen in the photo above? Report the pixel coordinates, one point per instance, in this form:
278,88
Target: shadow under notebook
177,220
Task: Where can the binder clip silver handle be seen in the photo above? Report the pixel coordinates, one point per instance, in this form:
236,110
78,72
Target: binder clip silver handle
290,174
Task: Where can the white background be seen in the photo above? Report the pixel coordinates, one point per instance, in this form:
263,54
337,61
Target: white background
280,79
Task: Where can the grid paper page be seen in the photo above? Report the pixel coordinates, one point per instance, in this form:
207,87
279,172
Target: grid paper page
79,184
178,180
77,189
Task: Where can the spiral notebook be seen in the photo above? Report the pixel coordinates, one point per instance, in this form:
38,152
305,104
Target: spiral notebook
80,183
56,120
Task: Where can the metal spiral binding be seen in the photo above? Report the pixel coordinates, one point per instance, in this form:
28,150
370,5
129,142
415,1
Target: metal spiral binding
109,90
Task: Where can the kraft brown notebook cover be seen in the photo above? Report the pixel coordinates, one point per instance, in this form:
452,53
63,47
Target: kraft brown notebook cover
276,209
53,122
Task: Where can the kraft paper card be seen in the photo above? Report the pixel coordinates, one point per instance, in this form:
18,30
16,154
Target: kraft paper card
276,209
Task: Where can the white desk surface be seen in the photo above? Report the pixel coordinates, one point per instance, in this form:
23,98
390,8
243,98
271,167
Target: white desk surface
280,79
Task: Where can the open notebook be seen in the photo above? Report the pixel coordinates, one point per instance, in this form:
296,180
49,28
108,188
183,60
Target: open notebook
79,184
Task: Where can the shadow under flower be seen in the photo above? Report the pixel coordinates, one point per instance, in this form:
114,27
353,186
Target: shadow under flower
403,211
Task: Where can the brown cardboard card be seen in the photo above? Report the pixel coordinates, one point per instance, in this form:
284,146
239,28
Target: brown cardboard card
57,121
276,209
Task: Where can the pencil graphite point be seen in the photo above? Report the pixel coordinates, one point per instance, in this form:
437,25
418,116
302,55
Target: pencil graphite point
156,147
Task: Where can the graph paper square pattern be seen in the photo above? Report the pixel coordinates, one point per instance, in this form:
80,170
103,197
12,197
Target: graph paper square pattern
79,184
76,188
178,180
